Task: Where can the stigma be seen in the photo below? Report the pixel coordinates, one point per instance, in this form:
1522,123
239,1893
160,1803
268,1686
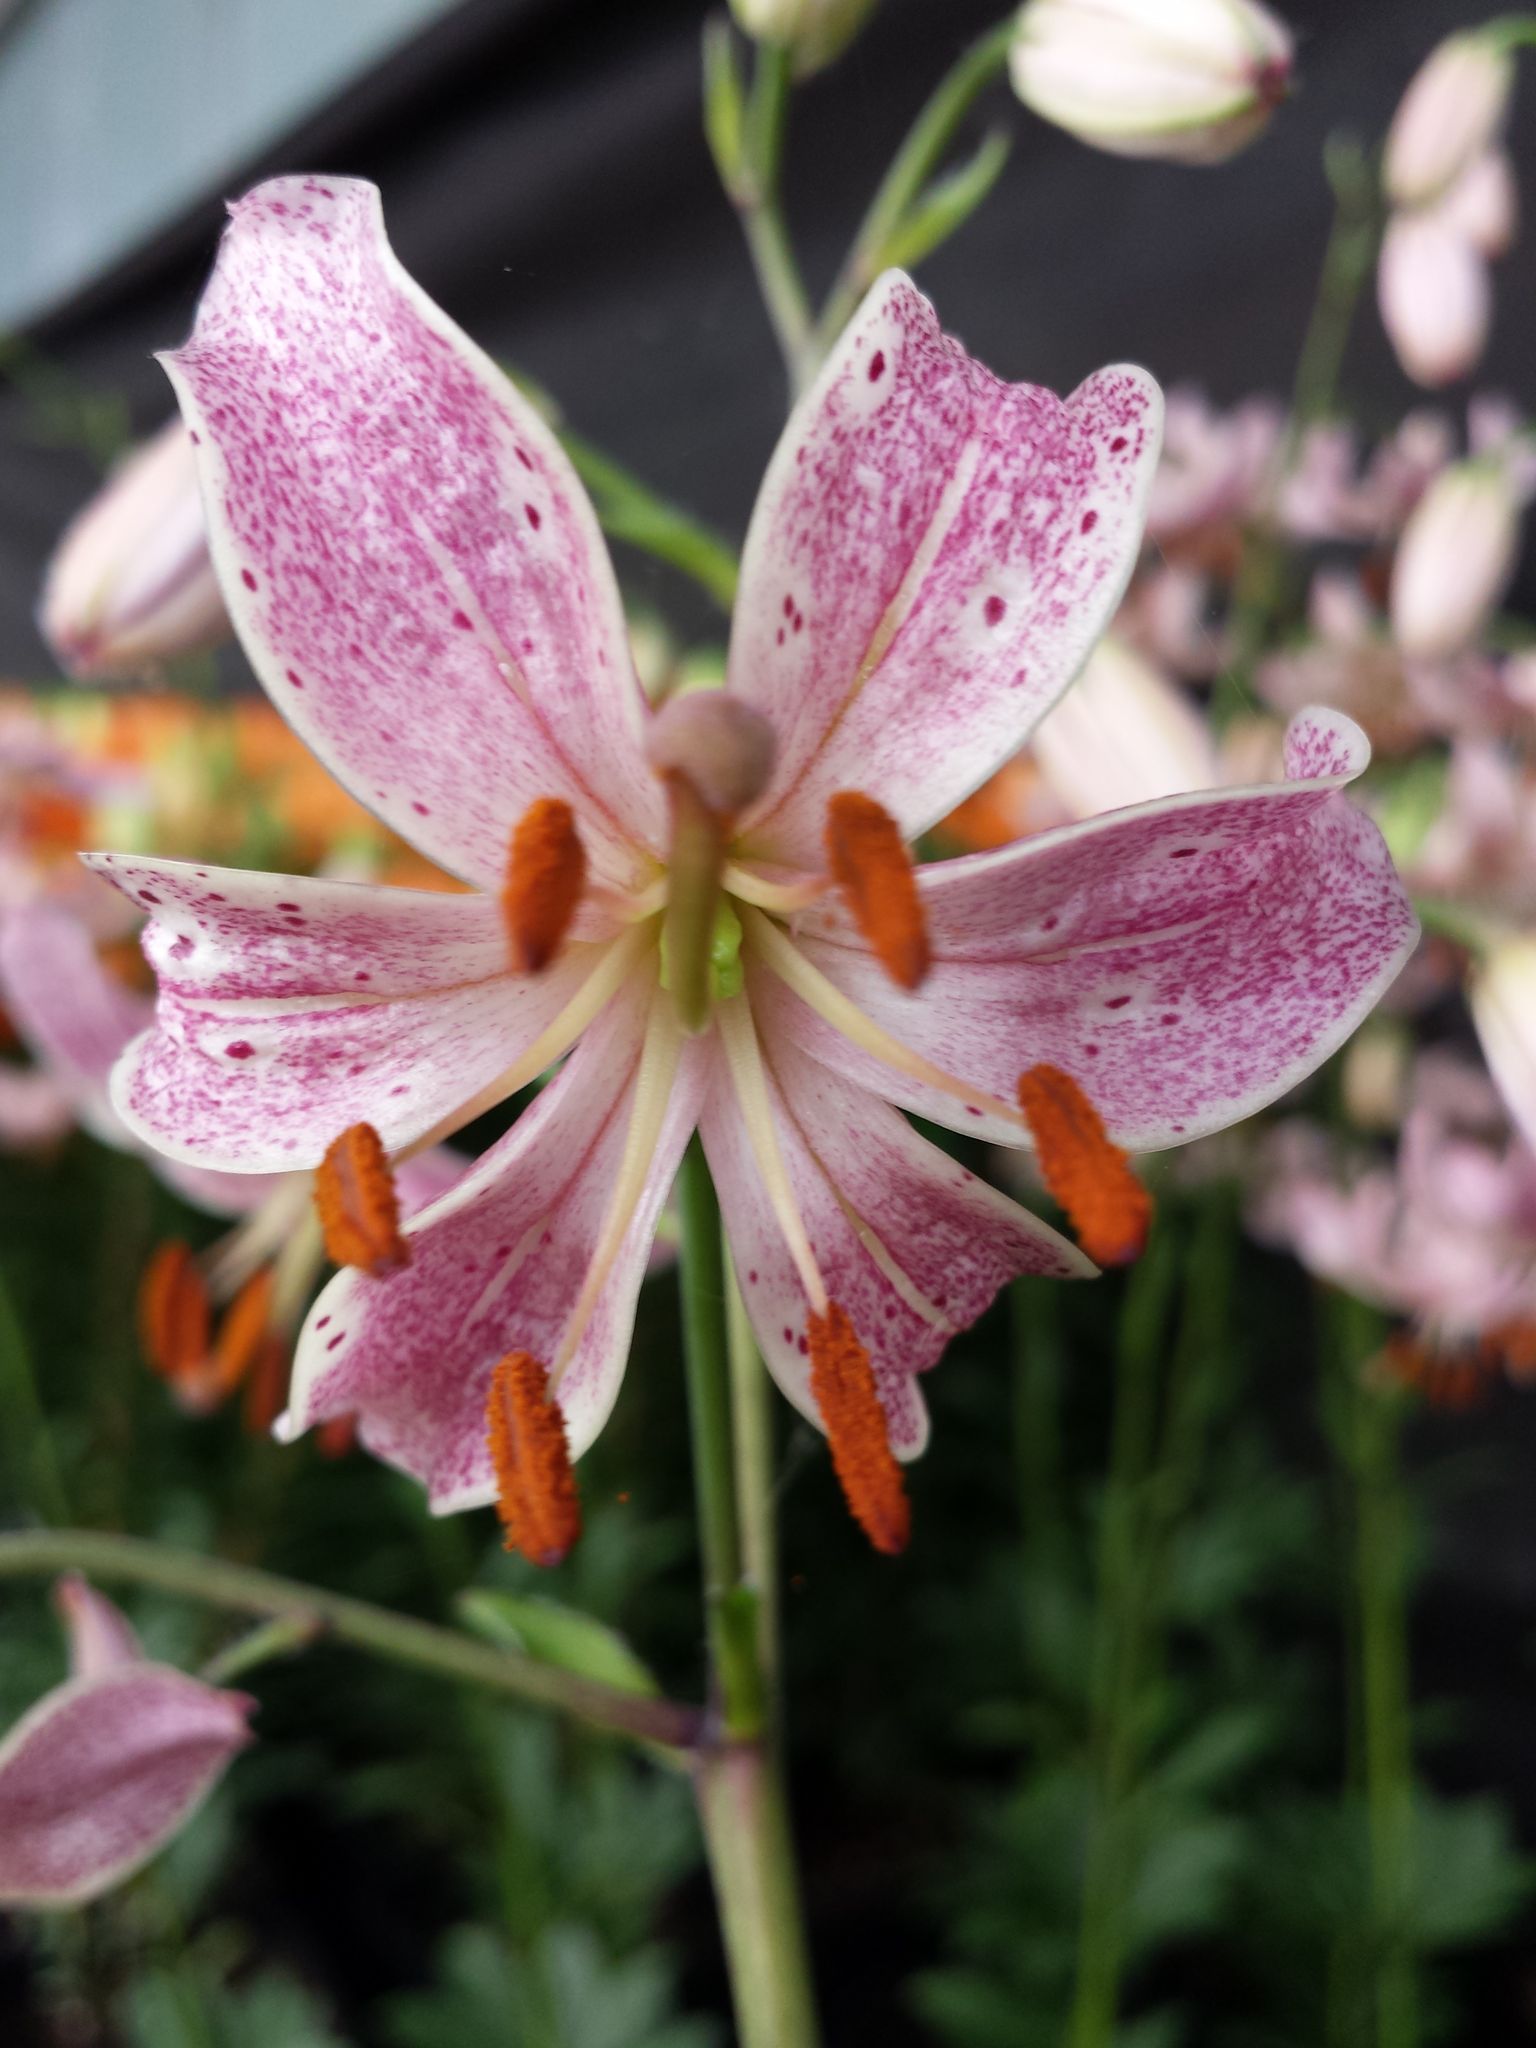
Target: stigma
536,1494
1083,1170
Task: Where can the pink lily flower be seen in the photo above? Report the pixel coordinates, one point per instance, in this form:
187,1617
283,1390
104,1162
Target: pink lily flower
421,586
107,1767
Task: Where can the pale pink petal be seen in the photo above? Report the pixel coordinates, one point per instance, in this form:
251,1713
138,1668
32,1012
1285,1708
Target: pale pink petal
100,1638
290,1008
910,1243
1186,961
72,1014
102,1772
34,1109
932,555
409,559
496,1266
421,1180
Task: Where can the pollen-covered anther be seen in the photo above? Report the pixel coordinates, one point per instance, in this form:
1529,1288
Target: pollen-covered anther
843,1384
359,1208
536,1494
871,866
1085,1172
546,873
175,1320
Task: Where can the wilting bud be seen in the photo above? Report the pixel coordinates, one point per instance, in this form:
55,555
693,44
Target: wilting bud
1449,115
1190,80
815,31
1455,559
131,584
1433,292
1503,998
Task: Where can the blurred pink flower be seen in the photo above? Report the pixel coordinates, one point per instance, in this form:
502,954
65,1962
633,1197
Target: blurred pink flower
1455,558
1215,467
1453,111
107,1767
130,585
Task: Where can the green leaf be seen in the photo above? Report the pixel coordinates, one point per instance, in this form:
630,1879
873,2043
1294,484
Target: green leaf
946,205
556,1635
725,109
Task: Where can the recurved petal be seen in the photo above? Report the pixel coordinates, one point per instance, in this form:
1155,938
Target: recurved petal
408,557
291,1008
1184,961
102,1772
932,555
496,1266
100,1638
910,1243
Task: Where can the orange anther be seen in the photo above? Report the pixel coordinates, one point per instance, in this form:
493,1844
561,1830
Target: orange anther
266,1386
1088,1175
242,1333
844,1386
174,1318
334,1439
359,1209
871,866
536,1494
546,872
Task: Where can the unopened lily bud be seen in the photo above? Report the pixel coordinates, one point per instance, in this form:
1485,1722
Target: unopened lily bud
814,31
1435,300
1190,80
1455,559
131,585
1451,112
1503,998
1484,204
721,747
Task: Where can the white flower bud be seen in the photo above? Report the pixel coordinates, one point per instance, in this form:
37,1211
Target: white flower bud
1451,112
814,31
130,585
1455,559
1190,80
1503,999
1434,296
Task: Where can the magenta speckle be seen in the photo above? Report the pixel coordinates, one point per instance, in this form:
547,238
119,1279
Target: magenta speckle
534,518
1090,521
323,1323
296,682
994,611
418,807
247,579
337,1339
464,622
877,366
240,1049
288,906
1117,444
1117,1002
752,1277
148,896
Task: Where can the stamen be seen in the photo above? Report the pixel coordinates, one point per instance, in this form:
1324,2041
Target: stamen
174,1318
1088,1175
871,866
844,1386
546,873
242,1334
536,1494
358,1206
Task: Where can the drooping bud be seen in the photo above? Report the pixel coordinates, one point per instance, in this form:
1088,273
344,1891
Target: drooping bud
814,31
715,755
546,873
358,1204
1434,296
131,585
843,1383
1453,109
1455,559
536,1494
175,1319
1084,1171
1193,84
873,869
1502,994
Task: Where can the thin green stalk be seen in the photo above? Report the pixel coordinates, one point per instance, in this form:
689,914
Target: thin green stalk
39,1479
630,510
752,1416
928,141
738,1780
755,193
399,1638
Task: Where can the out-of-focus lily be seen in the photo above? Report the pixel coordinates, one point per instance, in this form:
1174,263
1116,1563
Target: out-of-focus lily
107,1767
1189,80
1502,993
1453,110
813,31
130,586
1455,559
711,908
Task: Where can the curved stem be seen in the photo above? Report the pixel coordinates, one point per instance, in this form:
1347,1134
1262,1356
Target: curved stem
752,1418
757,200
398,1637
928,139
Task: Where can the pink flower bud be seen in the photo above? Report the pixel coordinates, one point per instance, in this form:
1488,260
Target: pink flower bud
108,1766
1484,204
1433,291
1190,80
1455,559
1451,112
131,585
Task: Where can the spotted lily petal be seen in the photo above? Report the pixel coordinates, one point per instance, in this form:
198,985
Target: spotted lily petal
496,1266
932,556
290,1008
1185,961
911,1244
387,515
102,1772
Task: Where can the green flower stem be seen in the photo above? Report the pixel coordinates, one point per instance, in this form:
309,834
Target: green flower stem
752,1412
399,1638
738,1780
630,510
1368,1433
924,149
755,194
